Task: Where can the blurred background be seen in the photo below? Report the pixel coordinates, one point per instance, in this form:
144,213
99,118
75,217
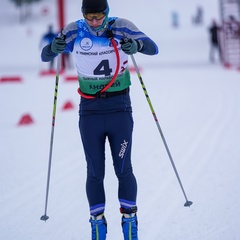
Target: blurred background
162,21
193,84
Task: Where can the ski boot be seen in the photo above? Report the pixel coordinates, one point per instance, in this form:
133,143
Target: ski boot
99,227
129,223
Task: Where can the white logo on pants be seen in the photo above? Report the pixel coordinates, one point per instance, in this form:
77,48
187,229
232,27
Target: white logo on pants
123,149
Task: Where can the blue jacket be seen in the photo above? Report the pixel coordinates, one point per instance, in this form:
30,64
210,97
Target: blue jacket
120,28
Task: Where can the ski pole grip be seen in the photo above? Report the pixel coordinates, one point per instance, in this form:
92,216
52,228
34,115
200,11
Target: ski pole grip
125,40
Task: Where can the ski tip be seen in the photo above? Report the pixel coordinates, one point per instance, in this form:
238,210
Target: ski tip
44,218
188,204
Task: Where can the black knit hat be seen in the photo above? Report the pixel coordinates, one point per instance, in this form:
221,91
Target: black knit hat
93,6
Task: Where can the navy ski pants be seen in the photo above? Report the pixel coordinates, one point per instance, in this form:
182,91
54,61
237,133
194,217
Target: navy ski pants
117,127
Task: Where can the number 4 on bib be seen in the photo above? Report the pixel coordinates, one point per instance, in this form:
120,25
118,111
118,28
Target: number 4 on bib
103,68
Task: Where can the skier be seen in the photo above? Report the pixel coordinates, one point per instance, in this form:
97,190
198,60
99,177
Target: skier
214,41
46,39
198,18
105,107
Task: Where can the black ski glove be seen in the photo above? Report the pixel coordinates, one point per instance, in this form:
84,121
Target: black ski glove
58,44
130,46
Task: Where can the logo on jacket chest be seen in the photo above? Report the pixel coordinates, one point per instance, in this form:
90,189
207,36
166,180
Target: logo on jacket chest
86,44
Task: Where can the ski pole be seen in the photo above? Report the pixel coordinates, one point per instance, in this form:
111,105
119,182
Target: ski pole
45,217
187,203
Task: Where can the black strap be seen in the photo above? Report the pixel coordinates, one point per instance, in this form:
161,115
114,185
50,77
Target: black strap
109,94
128,210
109,32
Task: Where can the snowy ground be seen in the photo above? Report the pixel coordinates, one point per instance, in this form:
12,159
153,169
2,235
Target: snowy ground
197,104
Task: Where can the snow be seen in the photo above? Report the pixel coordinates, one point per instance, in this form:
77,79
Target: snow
196,102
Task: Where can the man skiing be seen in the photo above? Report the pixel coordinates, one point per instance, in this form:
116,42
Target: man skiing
100,46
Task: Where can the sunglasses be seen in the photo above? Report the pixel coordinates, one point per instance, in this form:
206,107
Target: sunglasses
91,16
